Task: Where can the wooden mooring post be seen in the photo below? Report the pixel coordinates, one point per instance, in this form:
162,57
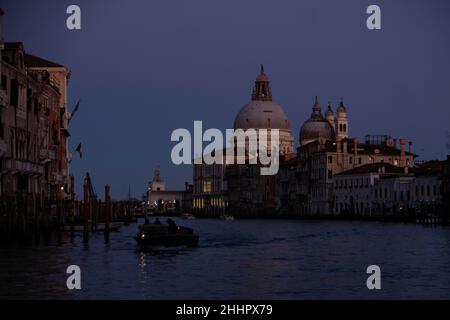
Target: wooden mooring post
107,212
86,209
72,207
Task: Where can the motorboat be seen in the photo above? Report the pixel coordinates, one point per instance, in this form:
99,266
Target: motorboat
166,235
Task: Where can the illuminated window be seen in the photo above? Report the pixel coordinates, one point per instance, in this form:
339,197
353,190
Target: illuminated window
207,186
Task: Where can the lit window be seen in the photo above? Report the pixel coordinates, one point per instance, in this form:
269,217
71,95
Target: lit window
207,186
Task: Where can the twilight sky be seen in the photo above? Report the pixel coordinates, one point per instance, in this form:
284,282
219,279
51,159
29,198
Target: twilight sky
143,68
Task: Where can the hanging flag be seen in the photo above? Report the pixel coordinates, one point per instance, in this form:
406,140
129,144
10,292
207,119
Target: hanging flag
74,110
79,150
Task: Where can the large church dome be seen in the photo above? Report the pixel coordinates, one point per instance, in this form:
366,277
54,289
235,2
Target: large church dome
316,127
261,112
260,115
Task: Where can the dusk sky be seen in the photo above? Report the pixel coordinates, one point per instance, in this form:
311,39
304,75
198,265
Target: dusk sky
145,68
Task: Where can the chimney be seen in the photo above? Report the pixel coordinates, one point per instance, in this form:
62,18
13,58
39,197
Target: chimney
410,150
395,143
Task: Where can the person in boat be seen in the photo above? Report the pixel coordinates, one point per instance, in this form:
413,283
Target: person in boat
157,221
172,225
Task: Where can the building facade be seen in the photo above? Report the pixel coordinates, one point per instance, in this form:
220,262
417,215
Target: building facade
385,190
34,167
160,200
326,150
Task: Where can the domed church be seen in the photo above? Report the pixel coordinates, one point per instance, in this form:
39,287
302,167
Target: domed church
305,183
263,113
325,127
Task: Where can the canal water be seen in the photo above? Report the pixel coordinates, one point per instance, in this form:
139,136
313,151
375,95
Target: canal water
241,259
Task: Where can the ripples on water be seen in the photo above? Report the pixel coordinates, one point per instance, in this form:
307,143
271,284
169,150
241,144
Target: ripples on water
241,259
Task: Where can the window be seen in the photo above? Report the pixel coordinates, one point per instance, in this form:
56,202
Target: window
330,159
345,127
2,132
359,160
4,82
330,174
207,186
29,99
14,97
350,160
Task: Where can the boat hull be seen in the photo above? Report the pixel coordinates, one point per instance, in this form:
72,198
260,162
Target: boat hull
162,235
168,241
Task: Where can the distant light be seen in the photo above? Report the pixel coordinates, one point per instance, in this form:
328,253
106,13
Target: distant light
62,188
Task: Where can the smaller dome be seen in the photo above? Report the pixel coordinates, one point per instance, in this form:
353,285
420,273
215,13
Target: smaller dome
316,126
314,130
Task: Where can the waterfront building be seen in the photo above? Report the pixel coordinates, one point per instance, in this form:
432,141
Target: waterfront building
34,157
160,200
386,190
354,192
209,189
34,175
57,77
304,184
427,191
446,190
326,150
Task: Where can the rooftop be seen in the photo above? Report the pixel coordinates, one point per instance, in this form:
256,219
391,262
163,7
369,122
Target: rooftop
36,62
374,168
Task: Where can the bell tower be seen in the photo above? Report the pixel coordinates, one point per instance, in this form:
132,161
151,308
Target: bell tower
341,122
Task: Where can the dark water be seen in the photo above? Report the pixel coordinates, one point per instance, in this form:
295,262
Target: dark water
248,259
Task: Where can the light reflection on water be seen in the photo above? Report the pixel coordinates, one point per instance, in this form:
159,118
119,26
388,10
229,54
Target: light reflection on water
248,259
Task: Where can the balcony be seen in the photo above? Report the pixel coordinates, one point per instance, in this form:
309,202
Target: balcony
25,167
46,155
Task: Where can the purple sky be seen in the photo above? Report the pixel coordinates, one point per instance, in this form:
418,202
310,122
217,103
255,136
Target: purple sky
144,68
